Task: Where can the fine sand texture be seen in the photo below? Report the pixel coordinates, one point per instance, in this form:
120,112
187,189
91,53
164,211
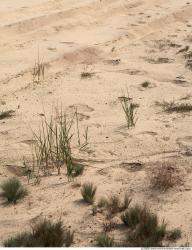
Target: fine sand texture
93,52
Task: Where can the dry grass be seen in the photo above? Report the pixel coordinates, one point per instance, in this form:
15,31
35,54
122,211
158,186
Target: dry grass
43,234
87,73
6,114
104,240
38,70
129,109
164,177
171,107
88,192
146,231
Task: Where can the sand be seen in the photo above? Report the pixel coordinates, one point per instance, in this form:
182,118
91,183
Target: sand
123,43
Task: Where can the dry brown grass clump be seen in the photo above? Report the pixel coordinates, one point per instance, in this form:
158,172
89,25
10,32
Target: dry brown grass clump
171,107
43,234
164,177
6,114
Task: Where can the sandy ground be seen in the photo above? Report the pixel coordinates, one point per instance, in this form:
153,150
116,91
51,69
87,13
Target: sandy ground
70,35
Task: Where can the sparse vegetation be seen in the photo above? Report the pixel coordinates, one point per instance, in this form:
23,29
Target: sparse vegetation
88,192
6,114
87,73
146,230
174,234
129,109
108,225
145,84
38,70
132,216
43,234
171,107
52,147
104,240
164,177
189,64
114,204
102,202
13,190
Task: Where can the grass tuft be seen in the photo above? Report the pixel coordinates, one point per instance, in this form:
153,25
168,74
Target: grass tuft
43,234
164,177
103,240
13,190
6,114
132,216
88,192
129,109
115,205
145,84
174,234
171,107
148,232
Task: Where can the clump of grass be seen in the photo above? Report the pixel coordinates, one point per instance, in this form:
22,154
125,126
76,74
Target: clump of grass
171,107
164,177
129,109
52,148
38,70
20,240
114,204
43,234
13,190
174,234
132,216
87,73
77,170
6,114
189,64
88,192
146,231
104,240
108,225
53,145
145,84
102,202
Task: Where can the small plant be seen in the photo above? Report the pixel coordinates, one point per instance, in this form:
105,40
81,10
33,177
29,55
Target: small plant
77,170
171,107
87,73
20,240
189,64
132,216
103,240
38,70
145,84
108,225
43,234
129,109
174,234
52,148
148,232
114,204
102,202
6,114
164,177
88,192
13,190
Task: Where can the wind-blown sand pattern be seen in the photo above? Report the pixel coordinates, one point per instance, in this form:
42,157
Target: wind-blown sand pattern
122,43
